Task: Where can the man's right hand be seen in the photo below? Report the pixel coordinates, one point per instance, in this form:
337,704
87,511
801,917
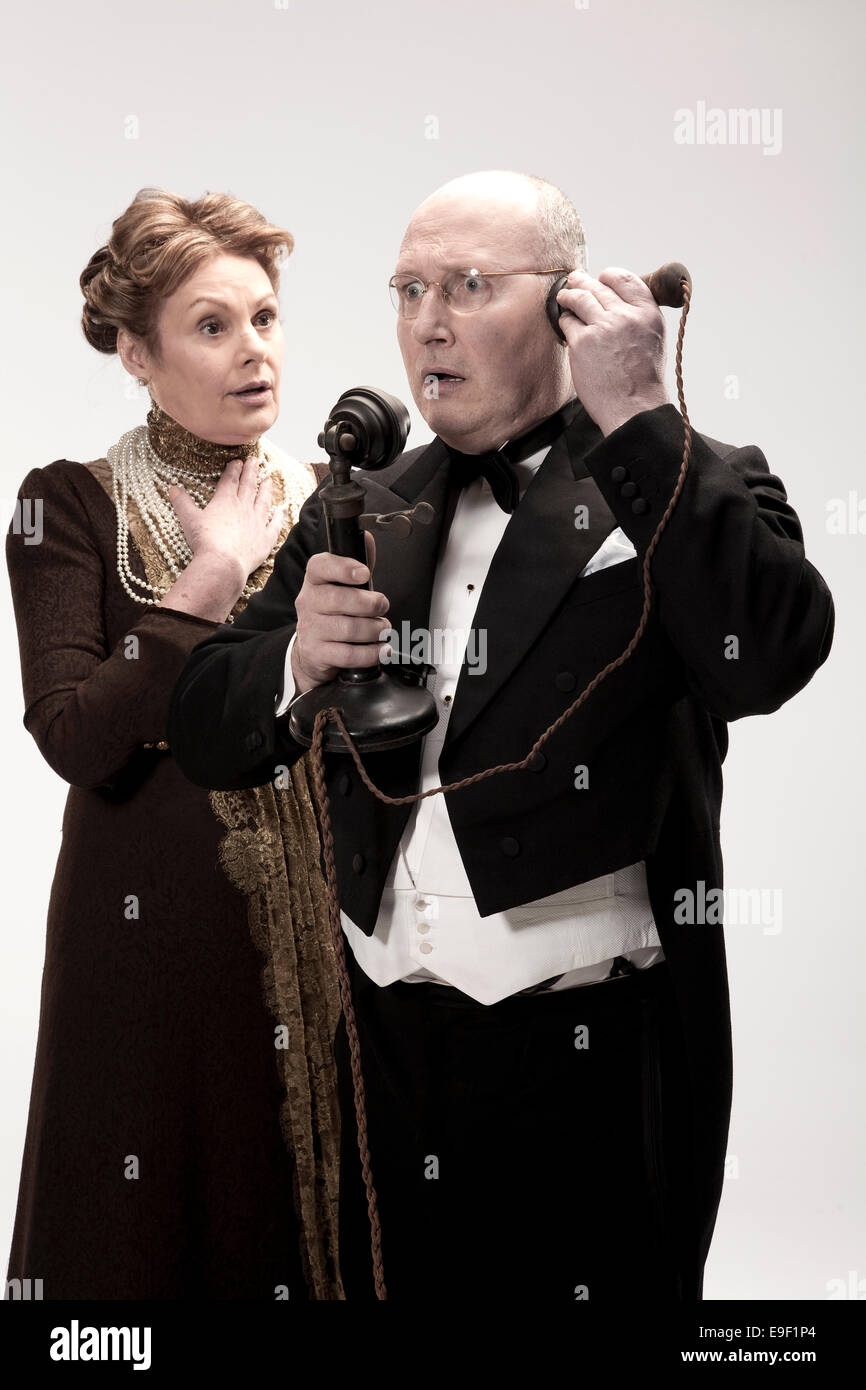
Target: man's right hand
339,625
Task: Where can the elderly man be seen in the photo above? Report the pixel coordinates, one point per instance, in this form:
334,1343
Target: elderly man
544,1028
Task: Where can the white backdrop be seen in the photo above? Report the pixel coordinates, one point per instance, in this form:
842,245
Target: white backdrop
335,120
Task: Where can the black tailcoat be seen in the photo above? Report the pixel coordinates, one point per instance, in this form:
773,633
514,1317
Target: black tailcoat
740,622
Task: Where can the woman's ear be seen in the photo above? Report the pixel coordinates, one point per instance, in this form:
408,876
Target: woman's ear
133,355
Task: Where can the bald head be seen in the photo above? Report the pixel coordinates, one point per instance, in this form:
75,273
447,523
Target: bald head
526,211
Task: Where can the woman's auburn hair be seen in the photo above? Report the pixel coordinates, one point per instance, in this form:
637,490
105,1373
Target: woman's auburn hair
155,245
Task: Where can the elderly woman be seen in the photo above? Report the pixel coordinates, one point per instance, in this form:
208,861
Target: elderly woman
183,1133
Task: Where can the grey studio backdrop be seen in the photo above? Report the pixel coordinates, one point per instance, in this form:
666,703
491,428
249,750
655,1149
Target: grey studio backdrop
335,120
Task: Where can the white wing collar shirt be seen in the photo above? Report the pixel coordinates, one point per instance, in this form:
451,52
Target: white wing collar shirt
429,927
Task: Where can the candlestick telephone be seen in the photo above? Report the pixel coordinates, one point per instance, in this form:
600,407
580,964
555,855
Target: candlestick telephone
372,709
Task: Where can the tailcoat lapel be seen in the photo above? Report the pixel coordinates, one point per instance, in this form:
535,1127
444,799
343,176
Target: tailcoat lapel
561,521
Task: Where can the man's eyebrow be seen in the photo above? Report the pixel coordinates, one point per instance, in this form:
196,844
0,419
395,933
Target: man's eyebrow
473,262
446,270
215,299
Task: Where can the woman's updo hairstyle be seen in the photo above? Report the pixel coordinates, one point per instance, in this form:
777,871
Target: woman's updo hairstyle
154,245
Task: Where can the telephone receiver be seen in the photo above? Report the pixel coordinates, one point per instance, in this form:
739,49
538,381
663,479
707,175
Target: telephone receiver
665,285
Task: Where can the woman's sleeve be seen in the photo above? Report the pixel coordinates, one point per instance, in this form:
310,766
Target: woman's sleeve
90,709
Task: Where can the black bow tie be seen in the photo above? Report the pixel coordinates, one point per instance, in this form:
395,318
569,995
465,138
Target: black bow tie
497,465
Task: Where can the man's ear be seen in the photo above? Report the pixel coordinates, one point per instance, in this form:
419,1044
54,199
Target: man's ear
133,355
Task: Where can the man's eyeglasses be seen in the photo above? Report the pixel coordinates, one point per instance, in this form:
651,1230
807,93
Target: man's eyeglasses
464,291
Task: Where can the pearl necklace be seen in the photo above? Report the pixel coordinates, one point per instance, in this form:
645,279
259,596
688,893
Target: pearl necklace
138,471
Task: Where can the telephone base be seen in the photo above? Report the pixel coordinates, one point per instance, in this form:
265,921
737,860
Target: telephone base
380,713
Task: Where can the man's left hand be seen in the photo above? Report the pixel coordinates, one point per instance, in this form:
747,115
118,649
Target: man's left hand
616,345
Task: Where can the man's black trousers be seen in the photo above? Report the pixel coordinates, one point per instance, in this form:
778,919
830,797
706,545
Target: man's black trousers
533,1149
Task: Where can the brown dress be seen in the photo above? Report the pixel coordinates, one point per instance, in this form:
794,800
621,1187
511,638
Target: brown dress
178,1146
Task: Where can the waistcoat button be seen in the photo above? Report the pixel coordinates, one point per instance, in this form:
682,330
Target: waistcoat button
510,846
358,863
565,681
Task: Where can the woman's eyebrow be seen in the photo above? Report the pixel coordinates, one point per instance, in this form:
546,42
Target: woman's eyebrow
222,304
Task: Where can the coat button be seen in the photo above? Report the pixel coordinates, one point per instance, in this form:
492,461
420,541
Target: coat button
345,784
539,763
510,846
619,474
359,863
565,681
639,506
253,740
628,490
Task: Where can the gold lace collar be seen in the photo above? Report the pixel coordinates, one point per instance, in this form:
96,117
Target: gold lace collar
178,446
